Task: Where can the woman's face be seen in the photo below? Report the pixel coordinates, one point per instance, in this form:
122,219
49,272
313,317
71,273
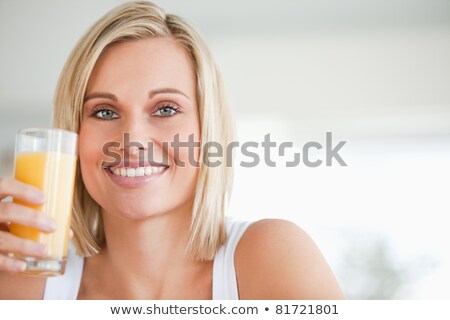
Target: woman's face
140,95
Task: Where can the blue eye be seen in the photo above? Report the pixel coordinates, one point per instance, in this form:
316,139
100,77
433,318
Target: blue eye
105,114
166,111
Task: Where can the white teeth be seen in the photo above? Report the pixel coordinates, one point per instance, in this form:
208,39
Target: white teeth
131,172
157,169
137,172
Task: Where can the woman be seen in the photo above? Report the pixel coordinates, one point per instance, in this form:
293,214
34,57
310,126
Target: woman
146,227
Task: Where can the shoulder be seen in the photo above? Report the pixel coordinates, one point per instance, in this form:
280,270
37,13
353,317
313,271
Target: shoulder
275,259
17,287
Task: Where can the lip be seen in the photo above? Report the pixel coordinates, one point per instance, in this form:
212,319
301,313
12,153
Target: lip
134,182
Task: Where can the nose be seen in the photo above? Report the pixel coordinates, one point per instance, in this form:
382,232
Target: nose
135,138
140,140
135,141
133,147
134,150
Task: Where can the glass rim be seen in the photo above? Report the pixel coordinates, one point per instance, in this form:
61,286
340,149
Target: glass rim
46,131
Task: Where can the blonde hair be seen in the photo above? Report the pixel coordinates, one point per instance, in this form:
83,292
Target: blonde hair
127,22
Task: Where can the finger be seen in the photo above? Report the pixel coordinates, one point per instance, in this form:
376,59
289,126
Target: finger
16,213
11,265
20,190
24,247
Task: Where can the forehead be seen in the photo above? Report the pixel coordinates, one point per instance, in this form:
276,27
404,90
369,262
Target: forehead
149,61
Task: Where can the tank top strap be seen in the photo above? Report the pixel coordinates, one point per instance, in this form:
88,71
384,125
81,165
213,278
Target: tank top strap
224,274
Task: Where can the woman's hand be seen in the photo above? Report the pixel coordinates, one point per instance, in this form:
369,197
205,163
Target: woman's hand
15,213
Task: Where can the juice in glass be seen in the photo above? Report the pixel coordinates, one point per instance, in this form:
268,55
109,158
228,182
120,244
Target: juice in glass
52,171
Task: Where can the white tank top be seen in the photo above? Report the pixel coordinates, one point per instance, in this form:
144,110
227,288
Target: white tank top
224,285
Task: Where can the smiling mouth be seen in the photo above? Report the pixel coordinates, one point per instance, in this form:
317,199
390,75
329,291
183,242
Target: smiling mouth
136,169
137,172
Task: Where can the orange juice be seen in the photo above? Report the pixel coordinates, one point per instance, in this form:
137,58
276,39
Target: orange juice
54,173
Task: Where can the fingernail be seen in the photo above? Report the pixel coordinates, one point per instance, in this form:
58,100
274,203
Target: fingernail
19,265
39,247
50,224
39,196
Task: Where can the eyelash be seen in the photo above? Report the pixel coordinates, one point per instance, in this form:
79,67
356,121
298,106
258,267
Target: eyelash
173,106
98,109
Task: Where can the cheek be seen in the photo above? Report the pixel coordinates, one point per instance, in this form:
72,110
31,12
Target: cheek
91,157
189,140
90,154
88,146
188,155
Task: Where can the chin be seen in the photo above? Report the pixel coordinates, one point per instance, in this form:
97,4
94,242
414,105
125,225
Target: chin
133,212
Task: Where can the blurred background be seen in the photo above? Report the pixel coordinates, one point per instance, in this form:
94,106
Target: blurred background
374,73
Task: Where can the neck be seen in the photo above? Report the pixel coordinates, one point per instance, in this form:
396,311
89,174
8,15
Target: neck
148,252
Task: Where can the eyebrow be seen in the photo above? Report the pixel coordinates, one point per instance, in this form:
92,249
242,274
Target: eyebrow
100,95
154,92
151,94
